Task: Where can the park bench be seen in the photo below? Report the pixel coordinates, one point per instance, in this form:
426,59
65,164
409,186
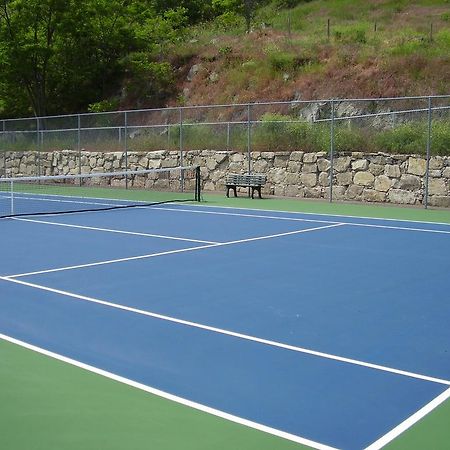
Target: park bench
254,182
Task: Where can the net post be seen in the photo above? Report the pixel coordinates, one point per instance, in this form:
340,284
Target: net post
427,170
197,184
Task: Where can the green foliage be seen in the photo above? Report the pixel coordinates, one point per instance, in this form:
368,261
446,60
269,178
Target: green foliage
61,55
289,3
351,34
405,138
103,106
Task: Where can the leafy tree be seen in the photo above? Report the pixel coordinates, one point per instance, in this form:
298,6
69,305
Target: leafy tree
245,8
61,55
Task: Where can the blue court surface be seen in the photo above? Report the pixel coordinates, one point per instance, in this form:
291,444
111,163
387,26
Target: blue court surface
329,331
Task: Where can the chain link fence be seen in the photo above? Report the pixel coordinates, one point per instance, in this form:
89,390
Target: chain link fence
403,125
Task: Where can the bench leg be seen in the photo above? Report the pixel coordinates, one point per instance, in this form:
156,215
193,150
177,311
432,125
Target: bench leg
235,190
259,191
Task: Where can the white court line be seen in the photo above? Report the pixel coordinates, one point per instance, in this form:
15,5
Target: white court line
108,230
231,333
171,252
318,214
296,219
410,421
171,397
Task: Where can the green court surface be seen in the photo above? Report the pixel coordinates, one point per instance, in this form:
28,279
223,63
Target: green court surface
46,404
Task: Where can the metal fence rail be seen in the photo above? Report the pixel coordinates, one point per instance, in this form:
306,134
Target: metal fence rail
330,125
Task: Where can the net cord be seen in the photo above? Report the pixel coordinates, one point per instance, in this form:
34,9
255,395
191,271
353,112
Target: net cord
97,174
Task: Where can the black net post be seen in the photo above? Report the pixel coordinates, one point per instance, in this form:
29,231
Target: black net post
198,185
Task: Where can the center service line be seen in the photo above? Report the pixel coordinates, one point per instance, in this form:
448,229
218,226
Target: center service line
171,252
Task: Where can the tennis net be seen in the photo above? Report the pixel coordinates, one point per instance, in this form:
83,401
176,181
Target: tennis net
23,196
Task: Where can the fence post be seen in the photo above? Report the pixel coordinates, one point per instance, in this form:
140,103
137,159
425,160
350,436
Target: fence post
180,113
38,147
249,141
4,146
126,147
79,146
427,171
328,29
228,136
331,150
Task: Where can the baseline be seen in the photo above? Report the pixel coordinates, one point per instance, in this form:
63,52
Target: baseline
168,396
301,219
410,421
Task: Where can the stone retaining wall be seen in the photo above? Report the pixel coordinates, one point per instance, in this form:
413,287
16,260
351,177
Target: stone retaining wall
357,176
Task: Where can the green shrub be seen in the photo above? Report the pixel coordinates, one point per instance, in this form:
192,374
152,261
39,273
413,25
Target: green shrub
405,138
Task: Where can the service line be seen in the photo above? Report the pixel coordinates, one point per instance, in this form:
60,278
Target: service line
171,252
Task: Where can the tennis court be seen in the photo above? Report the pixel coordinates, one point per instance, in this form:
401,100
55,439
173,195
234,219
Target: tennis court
325,331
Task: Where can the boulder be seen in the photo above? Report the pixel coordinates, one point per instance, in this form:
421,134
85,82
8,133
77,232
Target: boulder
364,178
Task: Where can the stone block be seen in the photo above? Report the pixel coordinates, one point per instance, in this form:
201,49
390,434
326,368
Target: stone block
220,157
211,164
277,176
342,164
379,159
446,172
268,155
409,183
235,167
383,183
309,168
309,158
169,162
312,192
323,164
401,197
436,163
280,161
438,186
376,169
338,192
371,195
279,191
237,157
297,156
324,179
308,179
292,191
294,166
417,166
435,173
260,166
292,178
360,164
392,170
344,179
364,178
353,192
439,201
143,162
